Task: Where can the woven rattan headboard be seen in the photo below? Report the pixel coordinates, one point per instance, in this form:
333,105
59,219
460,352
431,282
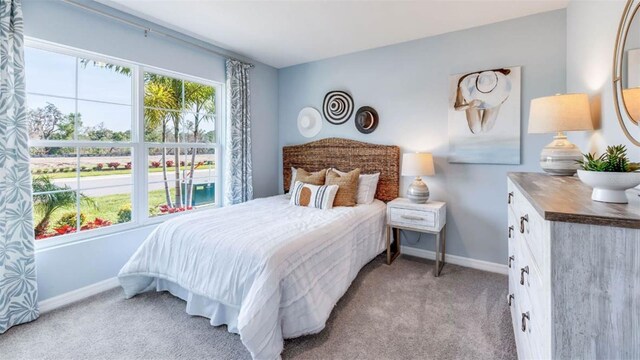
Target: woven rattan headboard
346,155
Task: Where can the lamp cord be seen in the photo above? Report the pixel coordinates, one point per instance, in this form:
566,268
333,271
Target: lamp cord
407,238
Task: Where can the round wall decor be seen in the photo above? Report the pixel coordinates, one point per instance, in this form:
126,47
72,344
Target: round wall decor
309,122
366,119
337,107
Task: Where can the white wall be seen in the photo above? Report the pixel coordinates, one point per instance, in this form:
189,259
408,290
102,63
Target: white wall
76,265
408,85
591,35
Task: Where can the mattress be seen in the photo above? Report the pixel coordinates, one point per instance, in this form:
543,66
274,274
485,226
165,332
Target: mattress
267,269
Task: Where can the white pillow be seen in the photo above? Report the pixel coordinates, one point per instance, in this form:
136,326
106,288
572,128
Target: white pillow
294,171
313,196
367,185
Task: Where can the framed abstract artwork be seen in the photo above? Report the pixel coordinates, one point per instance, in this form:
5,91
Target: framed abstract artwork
484,117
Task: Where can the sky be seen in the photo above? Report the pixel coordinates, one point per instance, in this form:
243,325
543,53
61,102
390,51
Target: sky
105,95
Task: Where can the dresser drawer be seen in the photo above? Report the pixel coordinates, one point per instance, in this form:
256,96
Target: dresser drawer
530,225
412,218
513,197
530,282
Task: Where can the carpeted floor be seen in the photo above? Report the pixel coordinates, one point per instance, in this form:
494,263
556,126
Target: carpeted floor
390,312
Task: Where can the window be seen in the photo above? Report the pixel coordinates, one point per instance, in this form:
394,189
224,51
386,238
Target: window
116,144
179,128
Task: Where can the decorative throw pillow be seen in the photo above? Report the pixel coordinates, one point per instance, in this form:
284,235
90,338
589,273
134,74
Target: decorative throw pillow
314,178
367,186
348,183
314,196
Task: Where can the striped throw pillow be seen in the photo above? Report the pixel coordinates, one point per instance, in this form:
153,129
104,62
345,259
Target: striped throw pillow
314,196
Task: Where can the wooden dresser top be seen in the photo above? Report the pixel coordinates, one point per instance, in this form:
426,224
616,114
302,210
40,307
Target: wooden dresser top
567,199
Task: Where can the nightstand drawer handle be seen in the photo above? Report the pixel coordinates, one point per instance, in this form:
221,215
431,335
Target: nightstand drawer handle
409,217
509,197
510,231
522,220
522,272
510,299
511,258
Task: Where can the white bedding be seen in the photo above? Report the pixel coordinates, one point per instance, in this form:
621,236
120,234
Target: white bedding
268,269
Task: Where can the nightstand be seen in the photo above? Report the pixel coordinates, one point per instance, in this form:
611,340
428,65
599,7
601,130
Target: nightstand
429,218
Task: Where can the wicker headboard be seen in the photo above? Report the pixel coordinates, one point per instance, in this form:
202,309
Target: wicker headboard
346,155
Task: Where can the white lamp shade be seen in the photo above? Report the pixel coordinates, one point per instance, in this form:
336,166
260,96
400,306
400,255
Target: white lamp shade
570,112
632,102
417,164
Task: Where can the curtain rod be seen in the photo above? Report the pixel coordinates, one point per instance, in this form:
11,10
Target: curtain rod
147,30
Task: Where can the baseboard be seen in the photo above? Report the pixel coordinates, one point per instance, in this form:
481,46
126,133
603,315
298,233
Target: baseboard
77,295
457,260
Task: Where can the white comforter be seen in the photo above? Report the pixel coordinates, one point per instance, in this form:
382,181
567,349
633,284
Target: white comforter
282,267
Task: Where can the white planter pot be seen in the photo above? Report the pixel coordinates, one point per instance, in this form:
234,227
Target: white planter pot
610,186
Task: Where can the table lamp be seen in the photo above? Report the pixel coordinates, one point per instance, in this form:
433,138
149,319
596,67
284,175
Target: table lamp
560,113
417,164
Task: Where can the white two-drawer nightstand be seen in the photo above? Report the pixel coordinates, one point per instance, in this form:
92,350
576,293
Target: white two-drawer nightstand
430,218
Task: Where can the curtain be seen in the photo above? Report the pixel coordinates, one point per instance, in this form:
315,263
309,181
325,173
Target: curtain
18,292
238,180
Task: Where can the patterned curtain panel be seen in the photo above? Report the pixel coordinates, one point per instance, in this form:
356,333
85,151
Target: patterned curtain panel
18,293
238,181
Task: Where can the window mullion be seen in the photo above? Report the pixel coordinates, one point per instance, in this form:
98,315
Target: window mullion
76,137
141,153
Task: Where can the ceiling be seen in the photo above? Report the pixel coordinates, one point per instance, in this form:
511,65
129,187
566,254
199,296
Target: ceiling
285,33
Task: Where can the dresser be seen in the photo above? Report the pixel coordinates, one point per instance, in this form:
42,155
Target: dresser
574,270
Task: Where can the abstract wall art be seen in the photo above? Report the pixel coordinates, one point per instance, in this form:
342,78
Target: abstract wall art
484,117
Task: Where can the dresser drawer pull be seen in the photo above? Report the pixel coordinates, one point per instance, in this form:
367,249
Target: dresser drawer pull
511,258
510,299
522,220
409,217
510,231
525,318
509,197
522,271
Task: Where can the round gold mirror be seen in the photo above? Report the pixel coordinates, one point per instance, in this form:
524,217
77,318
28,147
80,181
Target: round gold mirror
626,71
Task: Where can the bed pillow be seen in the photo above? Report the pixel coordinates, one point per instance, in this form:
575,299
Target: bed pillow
313,178
367,186
348,183
313,196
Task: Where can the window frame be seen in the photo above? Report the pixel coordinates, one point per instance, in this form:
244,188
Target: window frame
139,147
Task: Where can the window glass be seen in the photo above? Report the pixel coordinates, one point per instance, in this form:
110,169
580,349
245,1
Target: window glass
87,156
50,73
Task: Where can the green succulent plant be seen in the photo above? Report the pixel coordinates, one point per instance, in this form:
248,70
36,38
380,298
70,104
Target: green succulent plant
615,159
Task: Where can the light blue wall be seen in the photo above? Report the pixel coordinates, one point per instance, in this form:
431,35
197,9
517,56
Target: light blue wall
76,265
408,85
591,35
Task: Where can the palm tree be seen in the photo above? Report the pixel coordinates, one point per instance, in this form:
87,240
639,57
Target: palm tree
201,98
54,198
156,85
164,94
158,96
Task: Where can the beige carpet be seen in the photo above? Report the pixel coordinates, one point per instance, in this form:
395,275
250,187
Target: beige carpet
390,312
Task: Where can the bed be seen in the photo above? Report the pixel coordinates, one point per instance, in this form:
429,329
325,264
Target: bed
267,269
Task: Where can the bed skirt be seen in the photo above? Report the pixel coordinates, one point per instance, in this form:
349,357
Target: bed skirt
198,305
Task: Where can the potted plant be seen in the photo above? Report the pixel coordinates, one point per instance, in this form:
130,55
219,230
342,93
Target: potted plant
610,174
